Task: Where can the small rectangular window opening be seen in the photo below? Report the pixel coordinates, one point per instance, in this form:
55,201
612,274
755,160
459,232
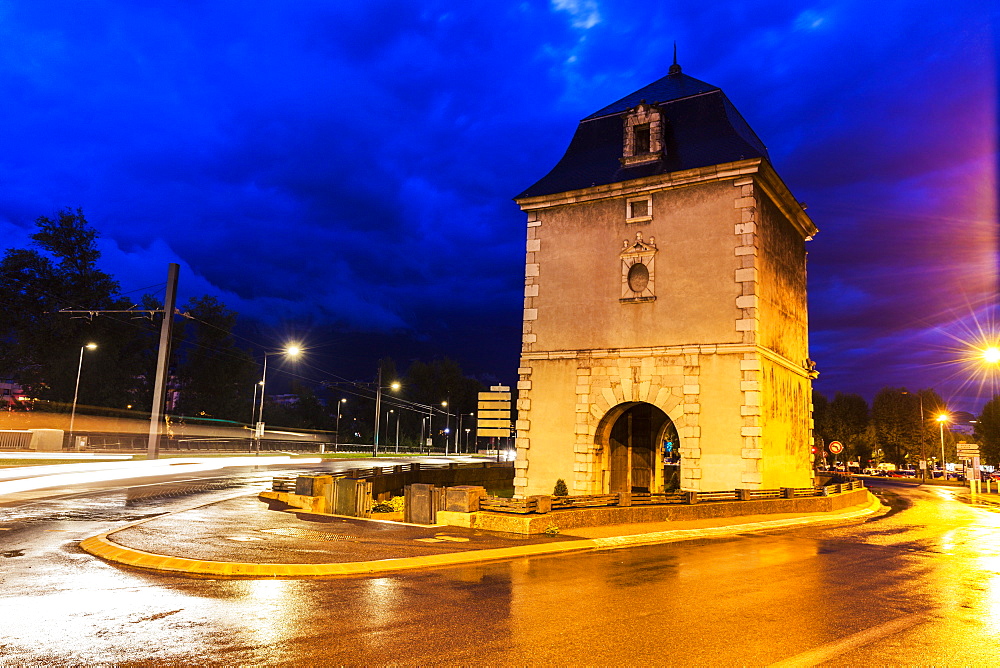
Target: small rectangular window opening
641,139
638,208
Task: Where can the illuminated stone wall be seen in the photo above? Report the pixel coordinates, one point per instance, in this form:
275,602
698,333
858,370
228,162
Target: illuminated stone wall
716,337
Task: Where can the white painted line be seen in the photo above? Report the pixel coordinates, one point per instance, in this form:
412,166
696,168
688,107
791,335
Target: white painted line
828,651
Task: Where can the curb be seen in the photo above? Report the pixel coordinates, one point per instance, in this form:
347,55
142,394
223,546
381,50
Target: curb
101,546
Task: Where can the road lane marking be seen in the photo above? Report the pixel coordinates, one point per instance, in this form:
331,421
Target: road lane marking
825,652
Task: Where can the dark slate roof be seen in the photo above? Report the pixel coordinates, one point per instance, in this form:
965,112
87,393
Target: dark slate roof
701,128
670,87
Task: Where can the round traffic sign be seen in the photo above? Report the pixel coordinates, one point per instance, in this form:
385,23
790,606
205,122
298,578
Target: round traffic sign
836,447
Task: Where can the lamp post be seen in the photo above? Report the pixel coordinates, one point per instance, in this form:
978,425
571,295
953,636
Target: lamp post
336,437
76,390
447,421
290,351
388,416
253,409
460,416
923,439
378,407
941,419
398,415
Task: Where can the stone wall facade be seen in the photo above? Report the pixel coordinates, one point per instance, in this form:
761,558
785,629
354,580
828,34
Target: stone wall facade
720,345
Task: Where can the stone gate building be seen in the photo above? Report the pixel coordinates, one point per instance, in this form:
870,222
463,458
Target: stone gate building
665,338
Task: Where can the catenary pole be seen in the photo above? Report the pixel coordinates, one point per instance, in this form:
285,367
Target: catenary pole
162,363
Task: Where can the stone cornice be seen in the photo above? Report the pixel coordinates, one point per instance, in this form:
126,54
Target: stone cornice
702,349
764,174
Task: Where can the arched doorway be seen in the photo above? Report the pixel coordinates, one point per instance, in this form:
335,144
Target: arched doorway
643,450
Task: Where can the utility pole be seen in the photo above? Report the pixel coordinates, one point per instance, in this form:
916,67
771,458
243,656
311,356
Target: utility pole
162,356
162,363
378,408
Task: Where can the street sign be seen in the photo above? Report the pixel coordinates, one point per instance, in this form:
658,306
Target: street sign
494,412
835,447
967,450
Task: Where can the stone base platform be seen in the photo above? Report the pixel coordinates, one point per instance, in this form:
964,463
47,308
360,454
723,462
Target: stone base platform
575,518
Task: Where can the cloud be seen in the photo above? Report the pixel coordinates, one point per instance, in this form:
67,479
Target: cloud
584,12
352,164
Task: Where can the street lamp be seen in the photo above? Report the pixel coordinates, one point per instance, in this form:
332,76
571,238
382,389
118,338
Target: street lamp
398,415
388,416
991,355
76,390
336,437
447,423
394,386
923,440
460,416
941,419
289,351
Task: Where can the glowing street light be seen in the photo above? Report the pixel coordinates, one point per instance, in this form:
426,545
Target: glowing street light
394,386
76,390
291,350
991,355
447,425
941,419
459,434
336,437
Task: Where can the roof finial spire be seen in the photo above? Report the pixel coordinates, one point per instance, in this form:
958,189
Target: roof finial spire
675,68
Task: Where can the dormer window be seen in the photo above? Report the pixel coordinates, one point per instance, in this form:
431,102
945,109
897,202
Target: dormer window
643,135
641,138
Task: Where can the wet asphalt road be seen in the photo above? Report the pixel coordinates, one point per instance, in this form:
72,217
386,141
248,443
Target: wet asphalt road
918,586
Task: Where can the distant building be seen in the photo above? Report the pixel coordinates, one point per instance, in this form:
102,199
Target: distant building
11,392
963,422
283,399
664,334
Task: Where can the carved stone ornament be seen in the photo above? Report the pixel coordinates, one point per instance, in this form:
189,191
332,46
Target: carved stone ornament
638,270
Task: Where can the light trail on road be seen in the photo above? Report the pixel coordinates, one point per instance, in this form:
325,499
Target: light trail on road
918,586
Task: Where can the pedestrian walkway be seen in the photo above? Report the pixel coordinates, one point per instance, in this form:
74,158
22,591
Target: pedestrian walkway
243,536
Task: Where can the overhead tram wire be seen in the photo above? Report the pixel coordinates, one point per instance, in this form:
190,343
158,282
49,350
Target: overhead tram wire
343,384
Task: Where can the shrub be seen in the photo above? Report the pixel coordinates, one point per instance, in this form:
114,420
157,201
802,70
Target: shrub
393,505
552,530
560,489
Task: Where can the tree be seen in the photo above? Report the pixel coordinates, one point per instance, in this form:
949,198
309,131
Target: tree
41,346
848,419
441,380
216,378
307,411
897,425
821,418
988,431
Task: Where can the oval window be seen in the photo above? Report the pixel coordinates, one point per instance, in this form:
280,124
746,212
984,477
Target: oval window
638,277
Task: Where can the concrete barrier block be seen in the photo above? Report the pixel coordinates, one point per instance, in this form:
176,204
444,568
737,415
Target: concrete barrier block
46,440
463,498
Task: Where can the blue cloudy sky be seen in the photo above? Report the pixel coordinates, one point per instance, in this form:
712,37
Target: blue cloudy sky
344,170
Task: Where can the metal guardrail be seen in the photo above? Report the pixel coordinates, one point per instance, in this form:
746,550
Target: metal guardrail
15,439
